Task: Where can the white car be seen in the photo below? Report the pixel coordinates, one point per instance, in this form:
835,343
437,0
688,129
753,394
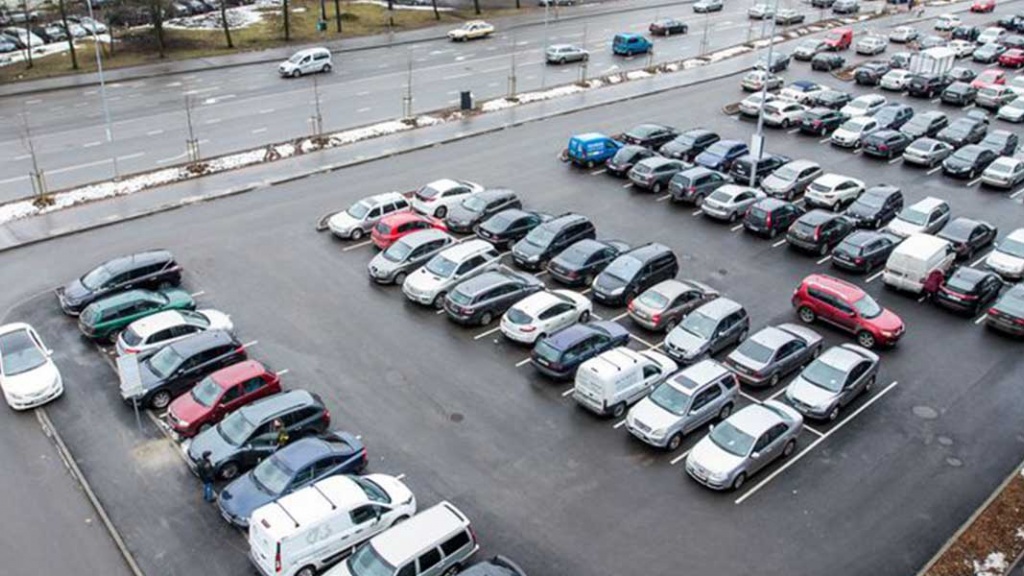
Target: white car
991,35
436,198
946,22
926,216
1017,84
1007,259
1004,172
872,45
91,26
730,202
833,191
1012,112
865,105
308,61
754,81
360,218
903,34
28,376
708,6
430,284
470,31
850,133
963,48
783,114
543,313
802,92
751,105
760,11
152,332
896,80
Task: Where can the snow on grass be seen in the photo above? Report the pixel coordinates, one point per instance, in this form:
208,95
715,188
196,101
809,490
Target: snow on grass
638,74
528,97
727,53
995,564
766,41
398,6
239,17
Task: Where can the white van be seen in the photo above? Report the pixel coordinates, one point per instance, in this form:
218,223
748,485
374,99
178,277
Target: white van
306,61
914,259
305,531
616,379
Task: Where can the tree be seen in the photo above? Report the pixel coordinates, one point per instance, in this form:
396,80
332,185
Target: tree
476,6
71,39
28,35
337,14
287,26
157,10
224,20
437,15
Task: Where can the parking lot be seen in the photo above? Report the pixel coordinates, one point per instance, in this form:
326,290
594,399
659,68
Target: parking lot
465,418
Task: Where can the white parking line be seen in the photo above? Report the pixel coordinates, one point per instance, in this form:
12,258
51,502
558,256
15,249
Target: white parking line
620,317
439,312
895,160
644,342
749,397
250,344
797,457
598,172
874,276
825,259
697,212
627,185
814,431
934,170
282,372
857,151
680,457
400,477
922,298
91,144
824,140
568,392
619,424
936,100
259,130
487,333
585,292
736,227
979,260
1017,193
523,362
778,393
973,182
539,274
980,319
779,243
793,131
663,198
359,245
197,294
154,132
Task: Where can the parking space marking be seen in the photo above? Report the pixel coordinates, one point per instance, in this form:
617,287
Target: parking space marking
824,140
749,397
359,245
439,312
934,170
282,372
778,393
815,431
979,260
568,392
400,477
663,198
620,316
936,100
541,273
779,243
627,185
598,172
793,131
736,227
644,342
619,424
857,151
487,333
1017,193
250,344
697,212
895,160
523,362
825,259
197,294
973,182
874,276
796,458
585,292
676,460
981,318
922,298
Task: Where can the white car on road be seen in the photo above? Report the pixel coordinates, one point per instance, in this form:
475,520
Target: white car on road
544,313
946,22
436,198
470,31
152,332
28,376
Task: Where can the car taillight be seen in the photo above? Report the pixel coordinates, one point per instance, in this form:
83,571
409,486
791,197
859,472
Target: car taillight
240,350
993,312
528,329
572,274
692,189
816,123
768,220
883,147
131,350
630,306
277,558
656,318
327,417
858,260
1018,321
364,455
817,233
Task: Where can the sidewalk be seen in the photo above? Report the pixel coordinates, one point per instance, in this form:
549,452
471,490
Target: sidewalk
532,16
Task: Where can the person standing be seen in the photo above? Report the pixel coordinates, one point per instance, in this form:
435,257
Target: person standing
932,283
205,470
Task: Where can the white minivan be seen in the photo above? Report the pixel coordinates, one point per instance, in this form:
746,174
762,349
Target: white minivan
914,259
610,383
308,61
301,533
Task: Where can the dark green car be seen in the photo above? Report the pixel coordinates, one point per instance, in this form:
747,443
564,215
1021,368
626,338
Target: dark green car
103,319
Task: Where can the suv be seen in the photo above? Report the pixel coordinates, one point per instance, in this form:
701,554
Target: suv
818,231
651,136
655,173
509,226
482,298
743,165
959,94
545,241
578,264
893,115
847,307
663,305
362,217
633,272
926,216
769,216
695,184
153,269
832,191
689,144
248,435
885,143
220,394
435,198
707,331
155,381
876,206
465,215
103,319
927,85
393,265
430,284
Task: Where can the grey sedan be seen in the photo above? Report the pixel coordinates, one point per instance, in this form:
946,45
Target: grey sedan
562,53
746,442
392,265
767,356
832,381
927,152
663,305
791,179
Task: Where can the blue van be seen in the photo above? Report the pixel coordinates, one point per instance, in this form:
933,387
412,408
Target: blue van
630,44
591,149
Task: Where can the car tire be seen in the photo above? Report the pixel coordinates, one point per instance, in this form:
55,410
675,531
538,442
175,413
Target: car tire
869,385
698,200
205,427
674,442
441,212
561,60
833,413
670,325
588,279
160,400
824,250
584,317
438,302
399,278
296,73
356,235
866,339
486,319
774,381
656,188
619,410
228,471
788,449
725,411
453,570
306,571
785,124
326,69
738,482
806,315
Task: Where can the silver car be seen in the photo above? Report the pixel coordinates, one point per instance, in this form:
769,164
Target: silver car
683,403
751,105
1004,172
903,34
791,179
832,381
663,305
872,45
708,6
744,443
730,202
708,330
755,80
360,218
775,351
927,152
562,53
392,265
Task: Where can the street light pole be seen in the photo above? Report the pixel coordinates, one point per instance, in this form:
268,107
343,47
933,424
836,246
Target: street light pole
757,140
103,93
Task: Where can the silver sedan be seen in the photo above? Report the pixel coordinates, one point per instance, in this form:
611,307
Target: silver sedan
562,53
767,356
832,381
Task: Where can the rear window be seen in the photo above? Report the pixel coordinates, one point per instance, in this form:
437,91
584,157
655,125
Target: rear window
382,228
653,299
517,316
721,196
455,543
804,227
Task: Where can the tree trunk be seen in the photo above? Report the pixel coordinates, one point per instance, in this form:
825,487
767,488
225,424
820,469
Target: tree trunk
156,14
224,20
71,39
337,14
391,13
287,26
517,5
437,15
28,36
476,6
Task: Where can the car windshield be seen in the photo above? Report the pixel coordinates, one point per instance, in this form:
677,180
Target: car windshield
540,236
913,216
624,268
855,125
474,204
867,307
670,398
721,196
130,336
165,362
871,201
685,140
699,325
358,210
295,59
575,255
731,439
397,252
720,149
374,492
235,429
808,45
206,392
922,145
428,192
1012,247
756,351
626,155
460,298
97,278
441,266
653,299
787,173
921,123
272,475
19,353
366,562
822,375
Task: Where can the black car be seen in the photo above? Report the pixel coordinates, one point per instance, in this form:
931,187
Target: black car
695,184
822,3
550,238
248,435
744,165
893,115
769,216
821,121
497,566
962,74
633,272
927,85
156,380
833,99
1002,142
968,162
650,135
885,144
465,215
1012,23
876,206
558,355
969,33
1007,314
864,250
779,63
509,226
962,132
818,231
900,60
687,145
969,290
483,298
628,156
968,236
959,94
870,73
152,270
827,61
988,53
580,263
925,124
668,27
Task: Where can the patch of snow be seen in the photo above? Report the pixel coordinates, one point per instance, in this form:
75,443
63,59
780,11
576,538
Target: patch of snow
285,150
767,41
398,6
239,17
373,131
995,564
498,104
813,29
727,53
595,83
694,63
1019,534
422,121
39,52
638,74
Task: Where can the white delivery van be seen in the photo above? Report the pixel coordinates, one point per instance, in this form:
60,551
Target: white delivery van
914,259
611,382
311,528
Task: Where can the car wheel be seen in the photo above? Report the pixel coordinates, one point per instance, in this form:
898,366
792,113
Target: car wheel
833,414
204,428
356,234
732,217
486,319
699,199
584,316
824,250
590,163
785,124
739,481
724,412
400,278
326,68
296,73
453,570
619,410
306,571
656,188
588,279
670,325
674,442
439,300
228,471
160,400
743,335
866,339
807,316
774,380
788,449
970,175
441,212
869,385
561,60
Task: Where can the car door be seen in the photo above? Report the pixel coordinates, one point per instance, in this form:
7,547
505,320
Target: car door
776,440
651,375
702,408
556,317
302,478
790,356
844,315
468,268
228,401
372,217
252,389
304,421
854,384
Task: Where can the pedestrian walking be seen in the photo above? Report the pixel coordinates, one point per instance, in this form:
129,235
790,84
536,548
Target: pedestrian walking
206,475
282,433
932,283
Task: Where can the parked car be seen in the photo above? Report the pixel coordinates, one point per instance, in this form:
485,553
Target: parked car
772,353
885,144
989,77
769,216
959,94
509,226
818,231
946,22
802,91
435,198
969,290
29,377
827,62
396,226
430,284
610,383
689,144
153,269
807,49
559,355
1013,58
633,272
655,173
563,53
832,99
833,381
779,61
550,238
7,45
744,166
900,60
1007,259
1003,172
157,330
730,202
662,306
851,134
649,135
903,34
927,123
220,394
916,259
893,116
926,216
393,265
789,17
543,313
761,11
963,48
105,318
864,250
783,114
821,121
707,330
626,158
590,149
866,105
755,80
872,45
695,184
481,299
876,206
751,105
847,307
360,218
1007,314
791,178
1002,142
581,262
992,34
720,155
988,53
995,97
963,131
833,191
475,208
870,73
668,27
927,85
845,7
968,236
969,161
962,74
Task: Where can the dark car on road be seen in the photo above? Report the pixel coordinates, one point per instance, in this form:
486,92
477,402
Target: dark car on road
695,184
885,144
769,216
655,173
465,215
550,238
1007,314
927,85
959,94
963,131
560,354
483,298
779,62
153,269
580,263
689,144
650,135
297,465
633,272
876,206
833,99
968,236
827,61
628,156
818,231
864,250
1002,142
743,166
509,226
870,73
821,121
772,353
668,27
968,162
969,290
893,116
720,155
927,152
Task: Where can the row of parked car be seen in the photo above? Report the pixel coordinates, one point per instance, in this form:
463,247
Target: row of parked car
37,34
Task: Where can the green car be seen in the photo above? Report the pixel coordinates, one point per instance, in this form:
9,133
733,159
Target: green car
103,319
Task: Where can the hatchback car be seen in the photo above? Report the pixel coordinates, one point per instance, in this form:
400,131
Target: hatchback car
755,81
791,179
807,49
394,264
959,94
946,22
105,318
220,394
695,184
865,105
821,121
743,444
962,48
876,206
802,91
872,45
832,191
851,133
927,124
962,74
995,97
744,166
968,161
394,227
509,226
833,99
1002,142
547,240
900,61
476,208
360,218
707,330
870,73
563,53
969,290
152,332
626,158
833,381
1007,314
772,353
651,136
903,34
1013,58
662,306
633,272
560,354
927,85
751,105
730,202
926,216
153,269
989,77
720,155
481,299
655,173
927,152
895,80
893,115
847,307
988,53
827,61
580,263
706,6
1012,112
689,144
430,284
864,250
28,376
818,231
543,313
434,199
962,132
769,216
1007,259
885,143
1004,172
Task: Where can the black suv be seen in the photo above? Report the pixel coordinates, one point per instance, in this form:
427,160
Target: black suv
742,166
578,264
962,132
927,85
248,435
968,33
650,135
473,210
876,206
633,272
818,231
885,144
509,226
769,216
925,124
864,250
550,238
870,73
821,121
628,156
175,368
153,269
687,145
833,99
482,298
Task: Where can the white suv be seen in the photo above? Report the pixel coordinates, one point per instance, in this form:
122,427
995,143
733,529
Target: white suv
431,283
833,191
436,198
850,133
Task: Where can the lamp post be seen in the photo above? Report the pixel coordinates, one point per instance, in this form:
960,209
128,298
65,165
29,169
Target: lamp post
757,140
103,93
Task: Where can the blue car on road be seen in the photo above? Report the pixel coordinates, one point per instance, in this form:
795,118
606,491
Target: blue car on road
628,44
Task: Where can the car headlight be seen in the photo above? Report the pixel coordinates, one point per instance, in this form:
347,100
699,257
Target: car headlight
184,423
717,476
888,333
617,291
659,433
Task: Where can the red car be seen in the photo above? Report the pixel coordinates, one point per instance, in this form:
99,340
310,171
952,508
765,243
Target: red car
821,297
219,394
1012,58
983,6
989,77
839,39
392,228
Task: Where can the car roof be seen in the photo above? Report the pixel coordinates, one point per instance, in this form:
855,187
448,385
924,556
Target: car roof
13,327
538,302
831,179
383,198
800,164
846,289
628,35
421,237
566,337
817,216
695,132
404,541
202,341
700,373
770,204
399,218
647,251
484,282
307,505
559,222
149,325
130,261
733,190
591,136
972,275
466,249
755,419
270,406
862,237
443,184
927,204
719,308
841,358
297,454
960,224
239,372
655,161
1017,235
772,337
671,288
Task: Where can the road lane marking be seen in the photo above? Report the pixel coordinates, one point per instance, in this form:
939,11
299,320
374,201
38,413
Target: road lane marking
154,132
487,333
895,160
824,140
736,227
644,342
78,167
266,111
259,130
22,157
619,424
749,397
92,144
363,110
973,182
131,156
697,212
13,180
1017,193
620,317
793,131
627,185
439,312
815,431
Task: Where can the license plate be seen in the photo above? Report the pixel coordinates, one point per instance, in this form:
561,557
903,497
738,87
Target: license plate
640,313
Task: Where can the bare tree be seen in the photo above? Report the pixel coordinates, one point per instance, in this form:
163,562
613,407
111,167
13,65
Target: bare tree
38,179
287,25
71,38
28,34
437,15
337,14
476,6
157,10
224,21
391,13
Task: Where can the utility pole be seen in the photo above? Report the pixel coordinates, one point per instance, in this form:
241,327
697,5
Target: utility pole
757,140
191,144
704,35
103,97
36,176
586,59
512,70
317,120
28,33
407,99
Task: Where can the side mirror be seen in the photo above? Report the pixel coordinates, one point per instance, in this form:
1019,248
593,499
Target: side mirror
711,427
756,455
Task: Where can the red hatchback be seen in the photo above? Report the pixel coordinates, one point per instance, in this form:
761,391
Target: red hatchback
219,394
989,77
392,228
1012,58
983,6
821,297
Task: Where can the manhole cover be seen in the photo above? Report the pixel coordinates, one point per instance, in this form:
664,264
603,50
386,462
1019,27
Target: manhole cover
926,412
456,417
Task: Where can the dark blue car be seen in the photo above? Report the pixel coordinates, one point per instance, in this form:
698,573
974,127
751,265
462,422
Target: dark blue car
295,466
560,354
720,155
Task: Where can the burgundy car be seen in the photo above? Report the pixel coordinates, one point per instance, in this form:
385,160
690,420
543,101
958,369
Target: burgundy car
219,394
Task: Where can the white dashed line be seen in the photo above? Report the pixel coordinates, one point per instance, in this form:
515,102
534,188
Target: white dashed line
875,276
825,259
568,392
522,362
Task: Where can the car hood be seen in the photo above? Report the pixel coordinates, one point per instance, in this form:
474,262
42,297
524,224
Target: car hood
903,228
887,321
425,280
241,497
397,490
709,456
650,414
218,320
690,344
220,449
382,264
75,291
462,215
846,134
185,408
33,381
775,184
1004,261
806,393
177,298
342,221
525,249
